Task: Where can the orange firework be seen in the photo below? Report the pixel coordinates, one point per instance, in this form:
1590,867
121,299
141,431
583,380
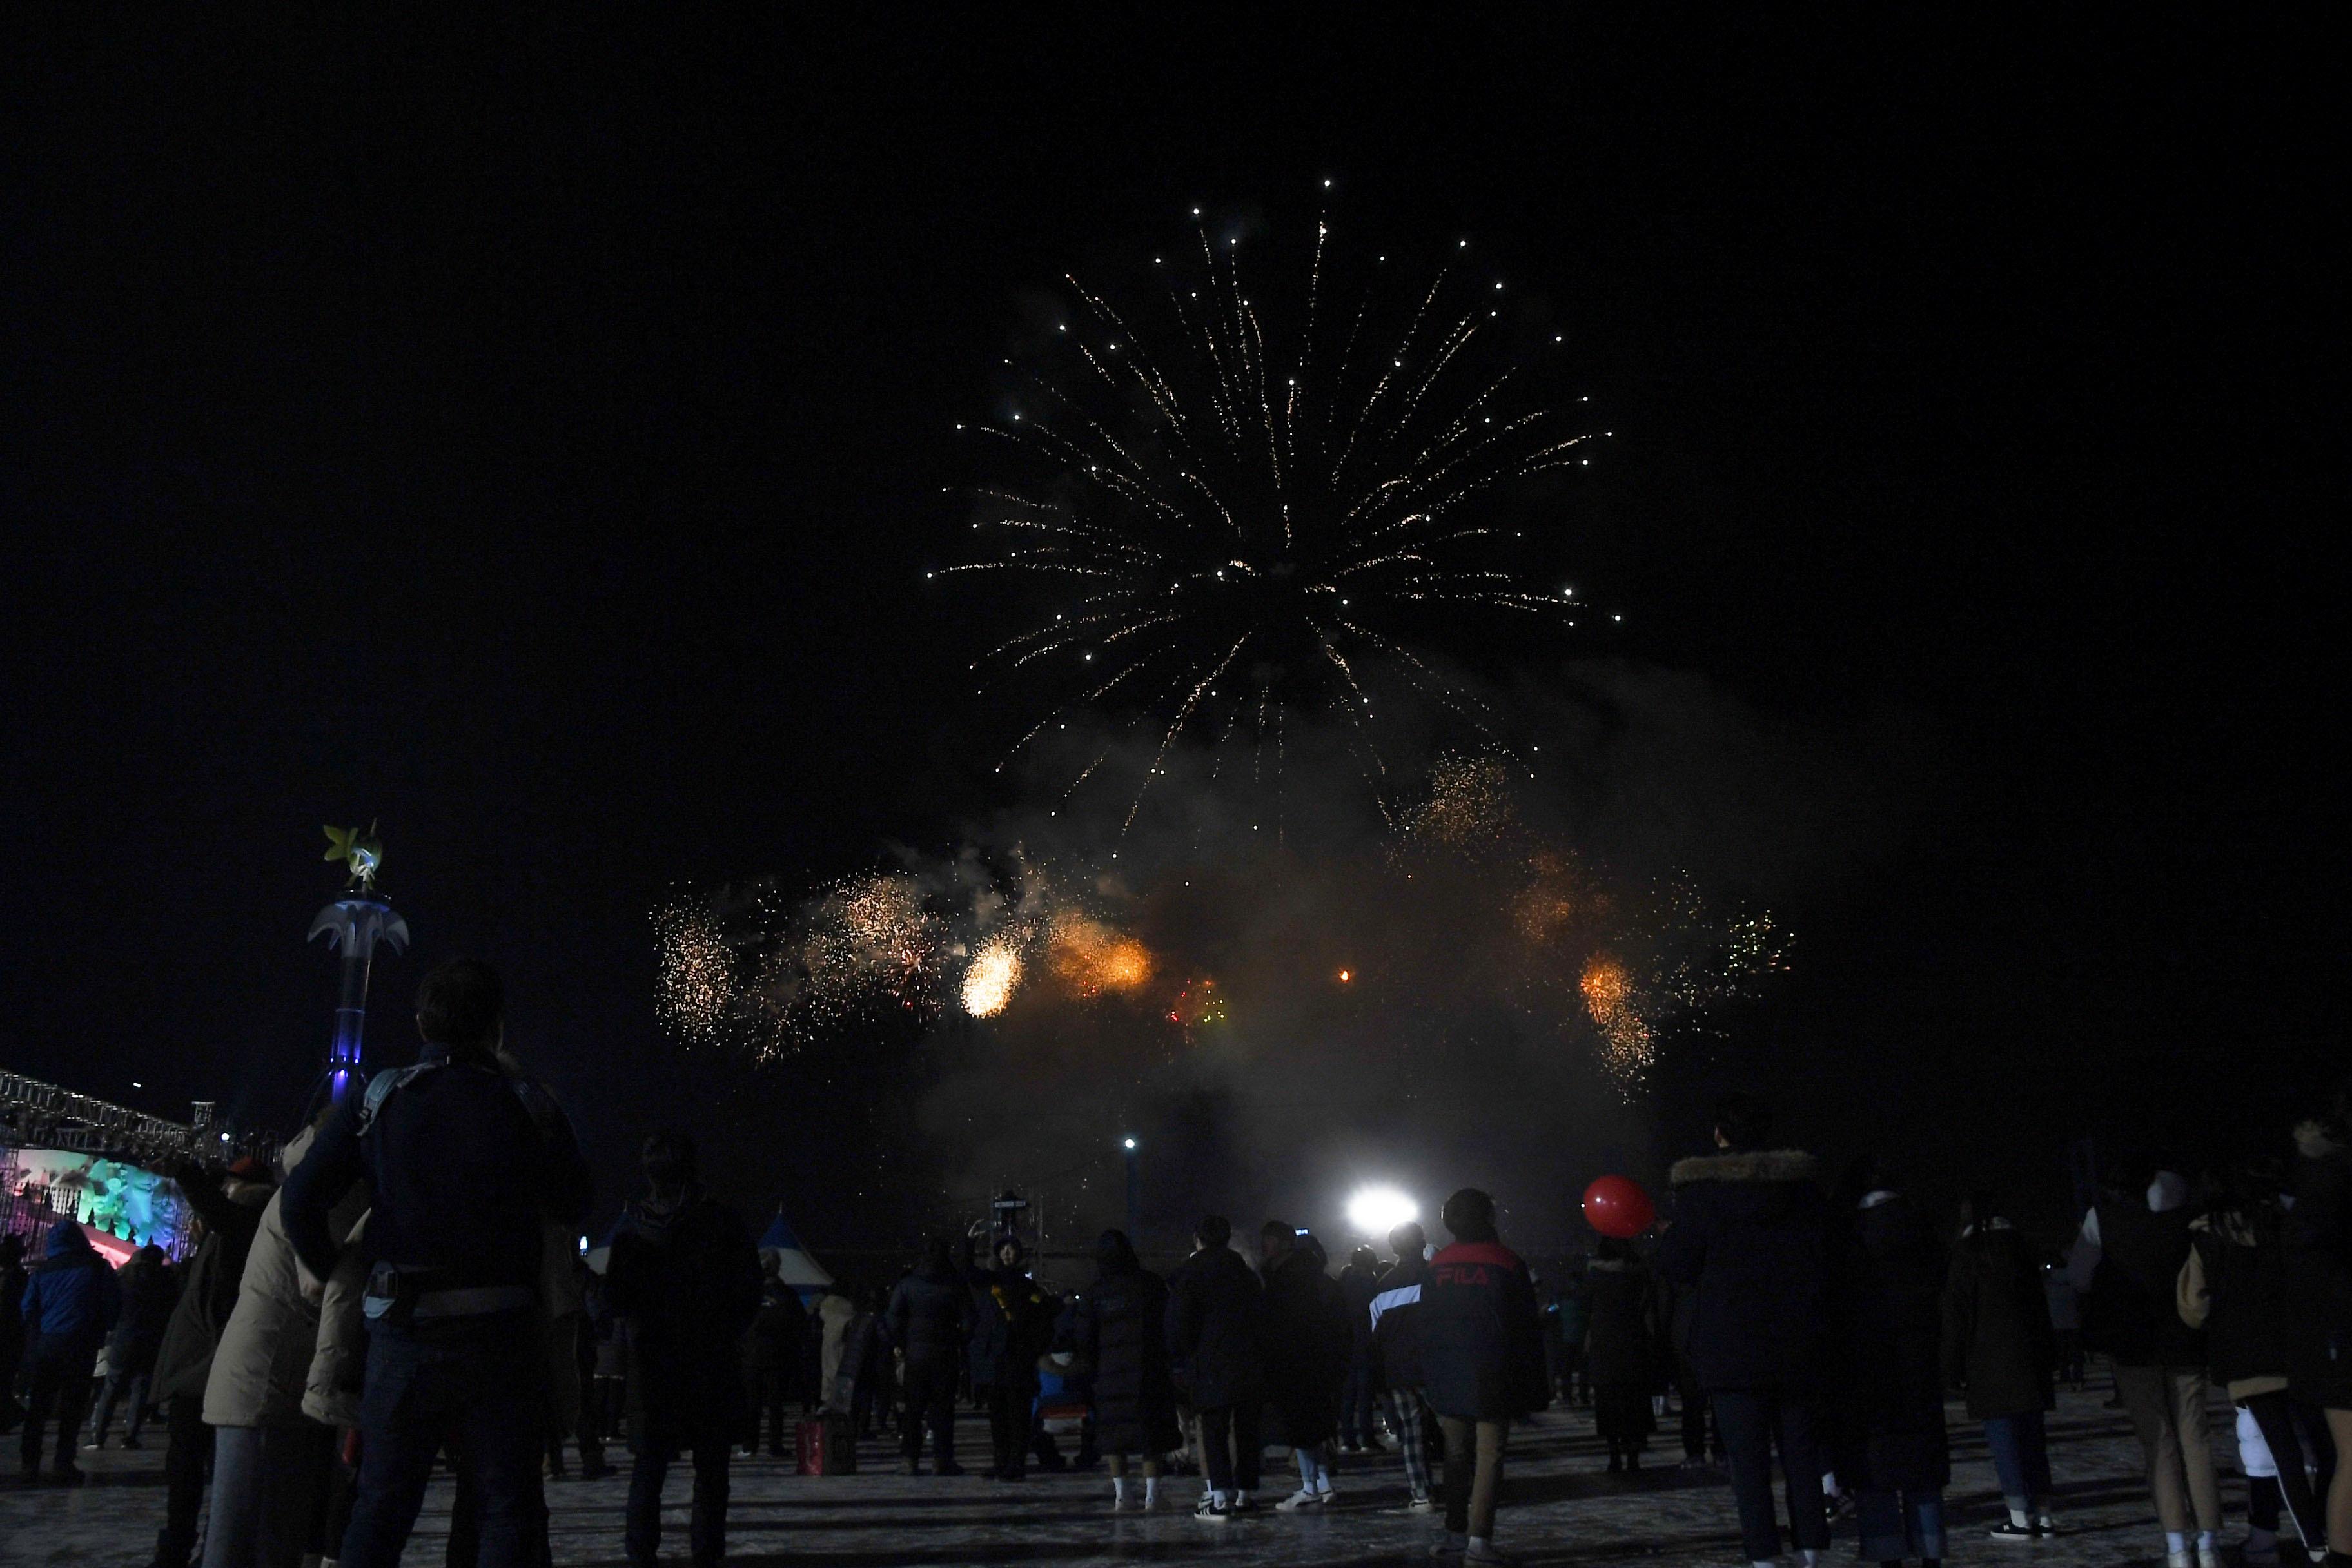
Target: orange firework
1091,958
1628,1044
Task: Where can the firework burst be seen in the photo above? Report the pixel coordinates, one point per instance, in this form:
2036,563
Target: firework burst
1241,521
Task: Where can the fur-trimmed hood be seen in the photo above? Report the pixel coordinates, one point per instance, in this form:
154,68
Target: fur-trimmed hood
1759,1165
2313,1140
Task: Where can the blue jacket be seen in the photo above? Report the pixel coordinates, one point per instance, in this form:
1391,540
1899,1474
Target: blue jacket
74,1292
463,1170
1750,1232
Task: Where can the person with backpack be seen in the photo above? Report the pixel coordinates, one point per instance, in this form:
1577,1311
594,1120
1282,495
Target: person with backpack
2128,1256
462,1178
2234,1286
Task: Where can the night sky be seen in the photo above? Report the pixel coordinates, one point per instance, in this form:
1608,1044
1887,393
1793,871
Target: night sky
533,436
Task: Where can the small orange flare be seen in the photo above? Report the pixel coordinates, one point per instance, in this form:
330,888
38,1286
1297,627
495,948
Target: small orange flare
1344,977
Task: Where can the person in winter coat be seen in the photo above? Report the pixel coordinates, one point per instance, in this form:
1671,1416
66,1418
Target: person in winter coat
69,1305
1887,1383
1571,1326
2234,1286
866,1367
1482,1356
2319,1269
150,1291
1622,1355
928,1322
2127,1259
1308,1342
684,1270
1677,1310
269,1461
1215,1333
1395,1313
1117,1332
835,1312
1999,1350
1013,1325
13,1279
1360,1400
1751,1237
228,1211
771,1354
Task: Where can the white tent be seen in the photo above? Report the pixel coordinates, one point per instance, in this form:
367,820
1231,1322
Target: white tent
795,1267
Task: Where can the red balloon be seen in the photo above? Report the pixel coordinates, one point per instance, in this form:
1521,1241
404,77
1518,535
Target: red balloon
1619,1207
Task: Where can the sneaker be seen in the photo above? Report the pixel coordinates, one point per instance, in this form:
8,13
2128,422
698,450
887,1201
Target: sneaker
1244,1504
1486,1551
1302,1498
1212,1510
1449,1545
93,1446
2182,1559
2208,1556
2008,1530
1418,1505
1387,1443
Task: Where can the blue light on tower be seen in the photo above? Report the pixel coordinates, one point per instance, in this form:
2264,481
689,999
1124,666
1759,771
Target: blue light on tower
353,925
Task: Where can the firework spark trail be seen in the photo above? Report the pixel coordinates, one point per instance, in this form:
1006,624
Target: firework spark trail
1239,487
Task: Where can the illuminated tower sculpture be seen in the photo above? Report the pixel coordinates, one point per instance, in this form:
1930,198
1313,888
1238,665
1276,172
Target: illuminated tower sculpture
353,924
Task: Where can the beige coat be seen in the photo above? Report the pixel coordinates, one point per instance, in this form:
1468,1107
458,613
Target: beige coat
339,1363
263,1365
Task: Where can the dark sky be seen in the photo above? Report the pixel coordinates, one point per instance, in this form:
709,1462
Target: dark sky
532,434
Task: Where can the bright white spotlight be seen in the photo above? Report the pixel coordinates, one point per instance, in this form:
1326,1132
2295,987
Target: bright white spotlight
1376,1211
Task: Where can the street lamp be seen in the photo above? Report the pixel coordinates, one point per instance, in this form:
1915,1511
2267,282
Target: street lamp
1134,1187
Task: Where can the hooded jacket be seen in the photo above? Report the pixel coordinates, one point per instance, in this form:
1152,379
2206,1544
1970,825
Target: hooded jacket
1887,1383
1309,1341
1998,1348
1750,1233
1395,1315
150,1291
2319,1268
1626,1344
1116,1328
262,1365
773,1345
1012,1324
1482,1352
231,1210
688,1278
72,1294
2133,1312
464,1172
331,1394
928,1318
1215,1329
